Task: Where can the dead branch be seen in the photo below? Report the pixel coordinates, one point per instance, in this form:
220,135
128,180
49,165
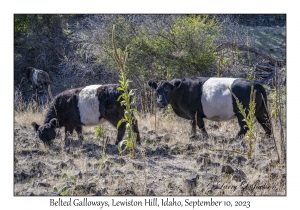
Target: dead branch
274,61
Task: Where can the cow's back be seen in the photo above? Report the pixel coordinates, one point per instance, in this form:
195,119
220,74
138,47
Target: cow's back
216,99
88,105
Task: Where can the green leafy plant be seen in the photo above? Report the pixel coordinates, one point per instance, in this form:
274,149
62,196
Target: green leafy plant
249,117
168,113
180,45
64,191
250,76
126,99
99,130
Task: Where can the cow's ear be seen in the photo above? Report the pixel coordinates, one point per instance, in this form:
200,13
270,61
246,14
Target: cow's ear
152,84
35,126
177,83
53,123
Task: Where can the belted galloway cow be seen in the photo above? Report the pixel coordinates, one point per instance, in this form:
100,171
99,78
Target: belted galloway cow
78,107
211,99
39,78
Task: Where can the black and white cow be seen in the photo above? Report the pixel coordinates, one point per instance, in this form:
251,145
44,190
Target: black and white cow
77,107
38,77
211,99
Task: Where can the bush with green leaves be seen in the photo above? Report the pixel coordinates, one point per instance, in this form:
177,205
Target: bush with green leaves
178,45
99,131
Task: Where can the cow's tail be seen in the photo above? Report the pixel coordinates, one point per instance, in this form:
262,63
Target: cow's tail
265,100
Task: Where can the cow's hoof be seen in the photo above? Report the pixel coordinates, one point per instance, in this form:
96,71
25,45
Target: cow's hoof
193,136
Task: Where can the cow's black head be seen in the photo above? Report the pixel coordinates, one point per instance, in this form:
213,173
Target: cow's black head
165,91
46,132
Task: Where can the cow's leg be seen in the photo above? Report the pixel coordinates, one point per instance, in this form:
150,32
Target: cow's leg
193,123
243,126
136,130
121,132
78,129
263,119
201,126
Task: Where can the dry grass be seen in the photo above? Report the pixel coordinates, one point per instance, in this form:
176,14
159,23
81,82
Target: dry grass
167,163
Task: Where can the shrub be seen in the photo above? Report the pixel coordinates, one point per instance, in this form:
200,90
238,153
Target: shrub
180,45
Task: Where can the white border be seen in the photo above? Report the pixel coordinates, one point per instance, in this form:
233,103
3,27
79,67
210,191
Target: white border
155,6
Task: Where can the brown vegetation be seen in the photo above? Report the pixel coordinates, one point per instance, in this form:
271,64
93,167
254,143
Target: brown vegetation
167,162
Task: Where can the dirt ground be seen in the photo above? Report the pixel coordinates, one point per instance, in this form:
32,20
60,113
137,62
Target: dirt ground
168,162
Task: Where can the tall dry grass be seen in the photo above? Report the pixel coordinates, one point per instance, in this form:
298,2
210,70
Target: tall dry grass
178,129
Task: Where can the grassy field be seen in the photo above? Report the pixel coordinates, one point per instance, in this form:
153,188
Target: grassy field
167,163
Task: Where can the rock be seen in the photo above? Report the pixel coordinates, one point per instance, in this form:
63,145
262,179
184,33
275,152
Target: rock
219,155
228,158
39,165
126,191
117,172
85,189
277,174
238,175
190,184
90,147
150,192
78,174
239,160
209,176
55,173
120,161
227,169
72,143
264,165
150,138
101,192
91,172
138,166
26,173
167,137
207,167
151,132
42,184
190,147
18,176
94,154
61,165
250,162
151,162
96,165
203,158
174,150
161,150
214,127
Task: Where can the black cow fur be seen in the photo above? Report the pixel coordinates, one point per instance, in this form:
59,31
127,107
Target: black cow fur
184,95
66,112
